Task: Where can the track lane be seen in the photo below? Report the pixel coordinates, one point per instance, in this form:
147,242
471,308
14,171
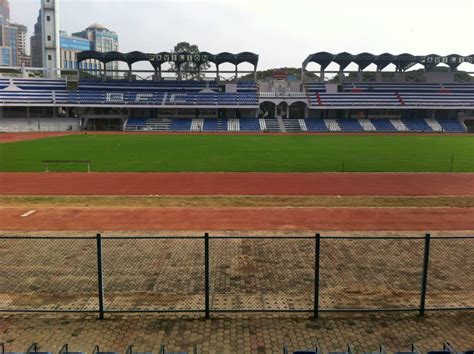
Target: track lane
348,184
215,219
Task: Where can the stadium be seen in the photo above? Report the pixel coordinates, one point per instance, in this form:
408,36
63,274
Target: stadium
193,203
151,100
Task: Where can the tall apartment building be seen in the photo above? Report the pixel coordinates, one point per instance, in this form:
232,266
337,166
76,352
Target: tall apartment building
94,37
13,51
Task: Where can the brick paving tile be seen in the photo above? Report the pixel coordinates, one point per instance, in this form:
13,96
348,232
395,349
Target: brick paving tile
240,333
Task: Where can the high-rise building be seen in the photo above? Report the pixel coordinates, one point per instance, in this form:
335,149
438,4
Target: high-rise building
23,59
94,37
12,39
4,12
102,40
9,54
70,46
36,46
21,32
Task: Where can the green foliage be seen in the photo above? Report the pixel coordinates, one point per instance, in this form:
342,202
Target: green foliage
189,71
246,153
267,74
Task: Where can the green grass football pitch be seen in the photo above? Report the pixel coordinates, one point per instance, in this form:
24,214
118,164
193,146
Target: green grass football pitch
245,153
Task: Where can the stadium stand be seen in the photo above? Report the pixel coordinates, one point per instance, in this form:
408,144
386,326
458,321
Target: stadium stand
332,125
249,125
416,125
451,125
399,125
292,125
271,125
233,125
278,104
349,125
214,125
434,125
367,125
316,125
197,125
383,125
181,124
136,124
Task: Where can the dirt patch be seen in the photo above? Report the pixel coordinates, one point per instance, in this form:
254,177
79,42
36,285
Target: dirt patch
348,184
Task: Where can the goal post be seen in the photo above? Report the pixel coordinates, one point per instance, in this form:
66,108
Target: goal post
47,163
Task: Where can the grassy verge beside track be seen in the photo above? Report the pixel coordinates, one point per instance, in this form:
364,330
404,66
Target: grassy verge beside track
244,153
235,201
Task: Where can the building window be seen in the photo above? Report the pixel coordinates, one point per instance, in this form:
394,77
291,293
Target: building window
49,37
49,57
48,18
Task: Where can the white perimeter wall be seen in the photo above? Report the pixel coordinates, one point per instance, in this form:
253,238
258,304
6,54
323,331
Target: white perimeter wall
39,124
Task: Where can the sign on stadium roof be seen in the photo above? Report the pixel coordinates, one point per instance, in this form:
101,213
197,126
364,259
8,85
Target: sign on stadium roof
402,61
177,58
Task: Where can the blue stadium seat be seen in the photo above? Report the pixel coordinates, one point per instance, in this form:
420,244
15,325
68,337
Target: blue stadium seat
181,124
383,125
416,125
451,125
249,124
350,125
315,125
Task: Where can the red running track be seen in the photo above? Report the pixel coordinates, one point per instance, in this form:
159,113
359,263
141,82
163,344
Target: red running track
349,184
215,219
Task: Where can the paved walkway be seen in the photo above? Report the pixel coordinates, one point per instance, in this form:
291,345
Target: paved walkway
239,334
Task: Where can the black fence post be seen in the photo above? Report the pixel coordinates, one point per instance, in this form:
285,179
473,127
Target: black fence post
100,276
317,259
424,279
206,274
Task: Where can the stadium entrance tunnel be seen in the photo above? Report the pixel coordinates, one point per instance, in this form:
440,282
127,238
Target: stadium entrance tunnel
298,110
268,109
470,125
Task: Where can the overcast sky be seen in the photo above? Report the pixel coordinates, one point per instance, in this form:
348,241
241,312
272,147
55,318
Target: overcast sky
283,33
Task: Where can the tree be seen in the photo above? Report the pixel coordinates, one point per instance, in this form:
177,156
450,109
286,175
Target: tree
268,74
189,70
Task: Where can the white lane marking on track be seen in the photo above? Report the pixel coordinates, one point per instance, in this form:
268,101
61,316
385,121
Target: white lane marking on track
28,213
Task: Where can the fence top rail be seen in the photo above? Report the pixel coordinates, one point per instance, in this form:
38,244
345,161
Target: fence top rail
263,237
47,237
452,237
152,237
19,237
373,237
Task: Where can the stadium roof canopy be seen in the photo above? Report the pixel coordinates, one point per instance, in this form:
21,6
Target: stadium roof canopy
156,60
402,62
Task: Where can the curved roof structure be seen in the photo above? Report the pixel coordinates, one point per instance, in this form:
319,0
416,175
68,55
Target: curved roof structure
402,61
178,58
97,26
